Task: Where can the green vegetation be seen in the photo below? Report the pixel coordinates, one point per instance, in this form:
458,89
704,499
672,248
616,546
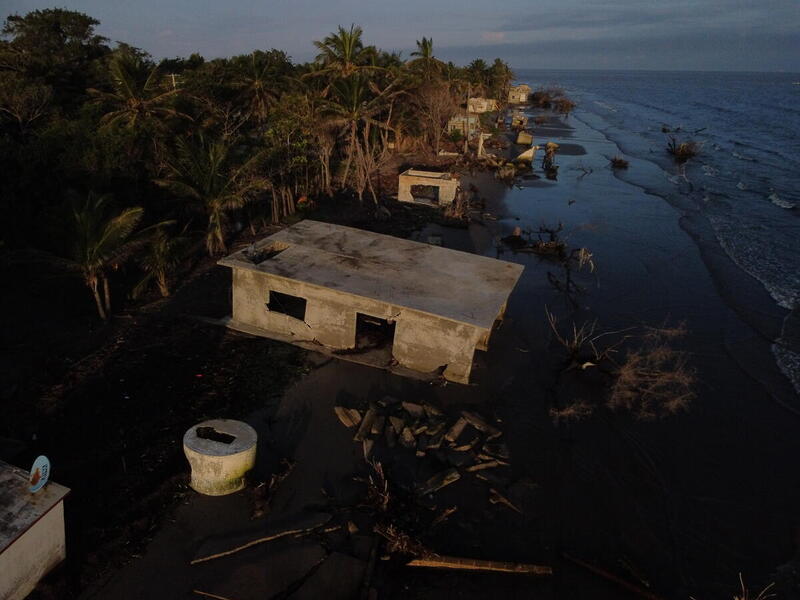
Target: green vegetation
208,146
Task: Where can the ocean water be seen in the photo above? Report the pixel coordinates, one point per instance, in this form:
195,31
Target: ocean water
745,182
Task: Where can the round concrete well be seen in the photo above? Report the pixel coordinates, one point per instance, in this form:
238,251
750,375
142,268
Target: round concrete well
220,452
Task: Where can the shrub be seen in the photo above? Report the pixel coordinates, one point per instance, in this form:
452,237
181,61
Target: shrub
619,163
682,151
564,105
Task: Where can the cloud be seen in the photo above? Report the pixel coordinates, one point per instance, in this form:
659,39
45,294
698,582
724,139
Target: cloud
692,51
493,36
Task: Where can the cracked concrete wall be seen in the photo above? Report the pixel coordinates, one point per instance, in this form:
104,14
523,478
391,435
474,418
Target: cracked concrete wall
422,342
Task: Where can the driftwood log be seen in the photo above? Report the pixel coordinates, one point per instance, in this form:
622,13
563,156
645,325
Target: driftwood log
473,564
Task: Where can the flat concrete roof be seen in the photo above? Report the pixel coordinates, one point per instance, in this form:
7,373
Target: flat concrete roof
429,174
455,285
19,509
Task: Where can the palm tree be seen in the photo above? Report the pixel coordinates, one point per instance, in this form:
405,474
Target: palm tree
137,95
160,261
256,86
205,173
500,77
356,106
425,60
101,243
477,73
343,53
356,101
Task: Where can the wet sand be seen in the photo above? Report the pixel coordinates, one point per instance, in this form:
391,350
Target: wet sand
683,504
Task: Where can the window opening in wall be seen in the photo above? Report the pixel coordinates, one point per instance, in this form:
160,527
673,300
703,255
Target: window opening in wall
373,333
428,194
293,306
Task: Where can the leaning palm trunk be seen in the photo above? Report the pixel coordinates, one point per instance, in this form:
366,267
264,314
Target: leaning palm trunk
107,295
92,283
350,152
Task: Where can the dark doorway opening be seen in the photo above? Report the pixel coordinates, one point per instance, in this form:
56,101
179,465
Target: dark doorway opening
294,306
373,333
428,194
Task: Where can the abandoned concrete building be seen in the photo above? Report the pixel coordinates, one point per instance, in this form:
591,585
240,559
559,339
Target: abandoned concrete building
465,124
427,187
519,94
481,105
400,304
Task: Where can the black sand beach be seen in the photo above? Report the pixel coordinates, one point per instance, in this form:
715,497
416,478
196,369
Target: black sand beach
678,506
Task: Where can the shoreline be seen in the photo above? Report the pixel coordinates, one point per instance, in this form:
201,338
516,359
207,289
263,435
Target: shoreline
591,490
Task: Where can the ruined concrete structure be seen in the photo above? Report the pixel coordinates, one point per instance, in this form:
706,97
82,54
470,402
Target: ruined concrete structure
481,105
329,287
466,124
426,187
519,94
32,539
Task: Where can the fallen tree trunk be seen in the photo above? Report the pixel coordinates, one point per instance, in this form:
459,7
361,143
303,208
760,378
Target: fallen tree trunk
473,564
631,587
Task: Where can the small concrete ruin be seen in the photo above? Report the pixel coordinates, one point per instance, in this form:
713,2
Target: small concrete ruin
427,187
524,138
528,155
220,453
376,299
32,540
481,105
466,124
519,94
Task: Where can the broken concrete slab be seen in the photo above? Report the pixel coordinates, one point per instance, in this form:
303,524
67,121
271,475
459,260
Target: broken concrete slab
349,417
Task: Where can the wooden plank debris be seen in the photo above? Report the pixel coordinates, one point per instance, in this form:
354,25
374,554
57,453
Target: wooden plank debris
438,481
350,417
473,564
456,430
366,424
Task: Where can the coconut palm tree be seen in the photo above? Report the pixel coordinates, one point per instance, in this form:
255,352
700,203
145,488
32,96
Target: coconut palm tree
425,62
101,242
161,259
356,101
256,84
500,78
205,172
343,53
137,97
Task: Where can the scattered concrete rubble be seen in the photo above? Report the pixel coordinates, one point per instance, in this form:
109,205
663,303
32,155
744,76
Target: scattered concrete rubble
464,445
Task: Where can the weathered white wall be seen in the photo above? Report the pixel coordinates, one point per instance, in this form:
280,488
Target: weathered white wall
422,342
447,188
33,555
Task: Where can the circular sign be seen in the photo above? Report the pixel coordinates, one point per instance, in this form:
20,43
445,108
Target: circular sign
40,473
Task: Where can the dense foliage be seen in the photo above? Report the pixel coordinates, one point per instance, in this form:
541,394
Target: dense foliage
200,147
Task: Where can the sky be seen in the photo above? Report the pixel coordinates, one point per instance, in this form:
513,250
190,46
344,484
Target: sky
725,35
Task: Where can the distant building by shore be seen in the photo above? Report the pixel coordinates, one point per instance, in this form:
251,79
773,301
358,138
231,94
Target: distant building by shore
519,94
